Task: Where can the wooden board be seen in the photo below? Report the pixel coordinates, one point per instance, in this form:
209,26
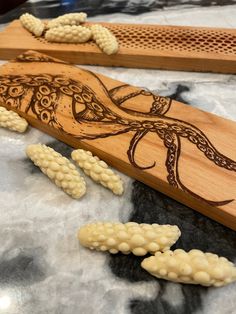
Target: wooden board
141,46
179,150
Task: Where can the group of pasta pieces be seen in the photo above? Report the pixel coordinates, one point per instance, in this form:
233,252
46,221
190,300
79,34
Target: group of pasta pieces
68,29
193,267
65,175
58,168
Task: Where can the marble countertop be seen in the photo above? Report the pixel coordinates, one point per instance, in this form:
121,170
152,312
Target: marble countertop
43,269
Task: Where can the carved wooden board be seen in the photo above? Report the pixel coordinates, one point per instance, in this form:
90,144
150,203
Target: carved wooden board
141,46
179,150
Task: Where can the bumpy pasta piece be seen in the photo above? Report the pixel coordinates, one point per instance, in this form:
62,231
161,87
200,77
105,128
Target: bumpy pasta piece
32,24
68,34
106,41
129,237
98,170
58,168
194,267
12,121
68,19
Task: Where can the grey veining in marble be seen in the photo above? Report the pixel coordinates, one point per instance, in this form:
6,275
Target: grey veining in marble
43,269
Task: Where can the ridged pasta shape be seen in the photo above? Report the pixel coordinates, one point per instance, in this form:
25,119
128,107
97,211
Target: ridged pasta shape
105,40
139,239
12,121
58,168
193,267
98,170
68,34
32,24
68,19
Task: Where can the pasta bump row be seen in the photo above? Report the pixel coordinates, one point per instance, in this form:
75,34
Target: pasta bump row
12,121
68,34
68,19
129,237
32,24
104,39
98,170
194,267
58,168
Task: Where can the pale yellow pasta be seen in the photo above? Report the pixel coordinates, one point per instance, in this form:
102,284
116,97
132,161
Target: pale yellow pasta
139,239
32,24
106,41
68,34
98,170
58,168
68,19
12,121
193,267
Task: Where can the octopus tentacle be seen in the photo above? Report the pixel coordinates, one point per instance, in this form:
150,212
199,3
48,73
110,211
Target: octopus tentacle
201,141
172,142
122,93
132,148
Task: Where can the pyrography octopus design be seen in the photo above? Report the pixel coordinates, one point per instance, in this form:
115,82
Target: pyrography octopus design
47,97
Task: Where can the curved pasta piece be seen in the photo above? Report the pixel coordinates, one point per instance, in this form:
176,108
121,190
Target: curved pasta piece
32,24
58,168
129,237
12,121
68,34
98,170
68,19
193,267
105,40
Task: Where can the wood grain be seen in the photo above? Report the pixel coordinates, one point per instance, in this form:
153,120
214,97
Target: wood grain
185,153
141,46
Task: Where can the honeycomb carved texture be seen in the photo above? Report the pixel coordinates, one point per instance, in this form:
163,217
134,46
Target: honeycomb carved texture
155,38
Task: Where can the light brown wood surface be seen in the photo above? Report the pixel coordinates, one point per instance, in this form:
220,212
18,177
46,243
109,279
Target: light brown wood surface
193,151
141,46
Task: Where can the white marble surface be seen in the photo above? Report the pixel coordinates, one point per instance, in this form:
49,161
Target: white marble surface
42,267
